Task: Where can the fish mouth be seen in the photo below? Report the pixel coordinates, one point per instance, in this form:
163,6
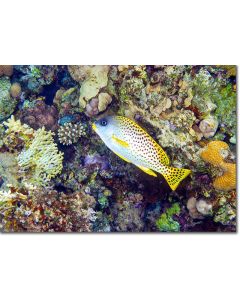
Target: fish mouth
94,127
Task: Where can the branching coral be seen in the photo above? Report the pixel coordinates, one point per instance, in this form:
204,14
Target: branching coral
214,153
41,158
69,133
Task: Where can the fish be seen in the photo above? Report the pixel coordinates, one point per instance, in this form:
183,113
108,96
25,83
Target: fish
134,145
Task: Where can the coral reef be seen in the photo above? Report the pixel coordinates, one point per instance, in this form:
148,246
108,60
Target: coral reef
56,175
46,211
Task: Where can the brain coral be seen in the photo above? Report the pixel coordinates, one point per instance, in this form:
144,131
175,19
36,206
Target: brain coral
215,153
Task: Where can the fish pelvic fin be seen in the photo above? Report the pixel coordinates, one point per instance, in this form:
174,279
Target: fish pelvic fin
122,157
174,176
120,142
148,171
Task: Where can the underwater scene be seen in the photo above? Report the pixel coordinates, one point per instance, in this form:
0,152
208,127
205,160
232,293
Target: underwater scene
118,148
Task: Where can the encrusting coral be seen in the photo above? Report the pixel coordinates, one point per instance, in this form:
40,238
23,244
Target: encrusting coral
41,115
69,133
214,153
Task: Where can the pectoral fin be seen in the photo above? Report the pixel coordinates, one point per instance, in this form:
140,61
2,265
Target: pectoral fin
120,142
148,171
122,157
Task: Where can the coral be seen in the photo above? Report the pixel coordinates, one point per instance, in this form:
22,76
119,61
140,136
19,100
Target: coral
47,211
208,126
33,78
67,101
128,215
97,160
16,135
6,70
214,153
69,133
15,90
104,99
92,107
166,222
40,115
191,206
228,180
226,212
7,104
41,160
8,169
203,207
92,79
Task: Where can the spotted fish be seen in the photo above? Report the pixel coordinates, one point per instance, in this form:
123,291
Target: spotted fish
134,145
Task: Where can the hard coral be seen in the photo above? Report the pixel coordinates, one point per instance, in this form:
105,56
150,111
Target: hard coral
41,115
227,181
15,90
214,153
69,133
40,160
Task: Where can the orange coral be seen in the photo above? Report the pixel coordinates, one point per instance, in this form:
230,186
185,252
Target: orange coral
15,90
227,181
6,70
214,154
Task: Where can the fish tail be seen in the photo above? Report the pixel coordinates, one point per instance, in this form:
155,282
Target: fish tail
174,176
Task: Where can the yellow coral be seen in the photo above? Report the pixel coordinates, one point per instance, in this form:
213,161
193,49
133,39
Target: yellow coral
15,90
214,154
41,159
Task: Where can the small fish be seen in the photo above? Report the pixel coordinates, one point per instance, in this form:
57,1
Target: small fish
134,145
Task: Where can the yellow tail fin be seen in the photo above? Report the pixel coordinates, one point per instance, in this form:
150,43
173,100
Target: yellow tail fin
174,176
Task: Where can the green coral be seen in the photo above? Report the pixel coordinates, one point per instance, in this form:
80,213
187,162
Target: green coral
41,158
7,104
226,101
166,222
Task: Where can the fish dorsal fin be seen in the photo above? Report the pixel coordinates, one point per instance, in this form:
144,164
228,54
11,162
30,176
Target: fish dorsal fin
119,141
148,171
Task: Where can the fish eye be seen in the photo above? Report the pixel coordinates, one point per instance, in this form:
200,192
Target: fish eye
103,122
